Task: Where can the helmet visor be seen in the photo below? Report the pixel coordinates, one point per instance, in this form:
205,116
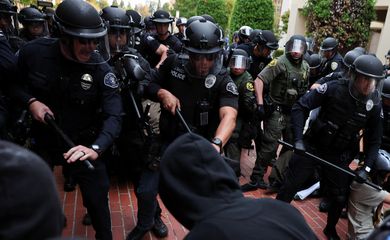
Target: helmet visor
90,51
365,89
202,64
239,61
118,38
296,48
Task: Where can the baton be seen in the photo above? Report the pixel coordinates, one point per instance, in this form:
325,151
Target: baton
50,120
233,164
312,156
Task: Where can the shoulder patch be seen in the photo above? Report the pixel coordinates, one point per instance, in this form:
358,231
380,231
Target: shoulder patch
334,65
150,38
110,80
231,87
273,62
322,88
249,86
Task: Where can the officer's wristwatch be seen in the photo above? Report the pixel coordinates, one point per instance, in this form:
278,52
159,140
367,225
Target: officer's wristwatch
218,142
97,149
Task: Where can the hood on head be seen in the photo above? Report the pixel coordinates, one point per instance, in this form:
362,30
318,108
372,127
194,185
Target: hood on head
29,203
195,180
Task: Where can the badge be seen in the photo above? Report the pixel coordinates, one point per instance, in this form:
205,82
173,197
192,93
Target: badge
322,88
231,87
110,80
273,62
150,38
86,81
369,105
249,86
210,81
334,65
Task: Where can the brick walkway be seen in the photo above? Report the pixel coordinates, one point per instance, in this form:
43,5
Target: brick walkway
123,205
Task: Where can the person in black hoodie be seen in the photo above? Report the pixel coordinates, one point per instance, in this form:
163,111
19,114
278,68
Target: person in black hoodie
203,194
30,206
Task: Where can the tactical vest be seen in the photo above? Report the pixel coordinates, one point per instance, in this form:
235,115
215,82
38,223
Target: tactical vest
339,122
294,82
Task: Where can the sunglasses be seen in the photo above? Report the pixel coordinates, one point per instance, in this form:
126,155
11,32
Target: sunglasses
85,41
208,57
117,30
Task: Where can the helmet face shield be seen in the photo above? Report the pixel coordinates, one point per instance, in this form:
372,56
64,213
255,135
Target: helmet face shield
296,48
239,61
365,89
202,64
90,51
118,38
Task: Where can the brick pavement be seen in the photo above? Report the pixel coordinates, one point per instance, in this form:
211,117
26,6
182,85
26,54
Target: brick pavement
123,205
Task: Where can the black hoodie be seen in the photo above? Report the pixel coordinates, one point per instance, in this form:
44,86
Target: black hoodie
30,207
203,194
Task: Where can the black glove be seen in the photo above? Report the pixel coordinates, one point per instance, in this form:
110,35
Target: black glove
299,146
260,111
361,175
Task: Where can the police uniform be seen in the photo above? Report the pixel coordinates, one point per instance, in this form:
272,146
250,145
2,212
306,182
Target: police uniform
200,99
133,147
179,35
86,106
257,63
333,136
335,64
150,44
246,129
286,82
7,73
386,128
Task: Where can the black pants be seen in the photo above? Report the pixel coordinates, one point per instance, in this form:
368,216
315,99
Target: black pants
94,187
302,168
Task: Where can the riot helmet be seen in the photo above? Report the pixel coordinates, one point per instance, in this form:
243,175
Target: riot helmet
8,17
360,49
328,47
350,57
387,56
209,18
203,41
83,35
244,32
310,44
239,59
386,88
266,38
314,61
34,23
181,24
366,80
181,21
149,25
161,16
295,48
193,19
118,26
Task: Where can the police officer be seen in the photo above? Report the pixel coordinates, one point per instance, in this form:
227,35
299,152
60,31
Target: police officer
315,67
155,46
348,60
243,34
70,80
287,78
199,86
386,114
131,143
245,130
34,24
9,24
136,30
263,43
387,64
7,73
181,25
332,59
347,106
